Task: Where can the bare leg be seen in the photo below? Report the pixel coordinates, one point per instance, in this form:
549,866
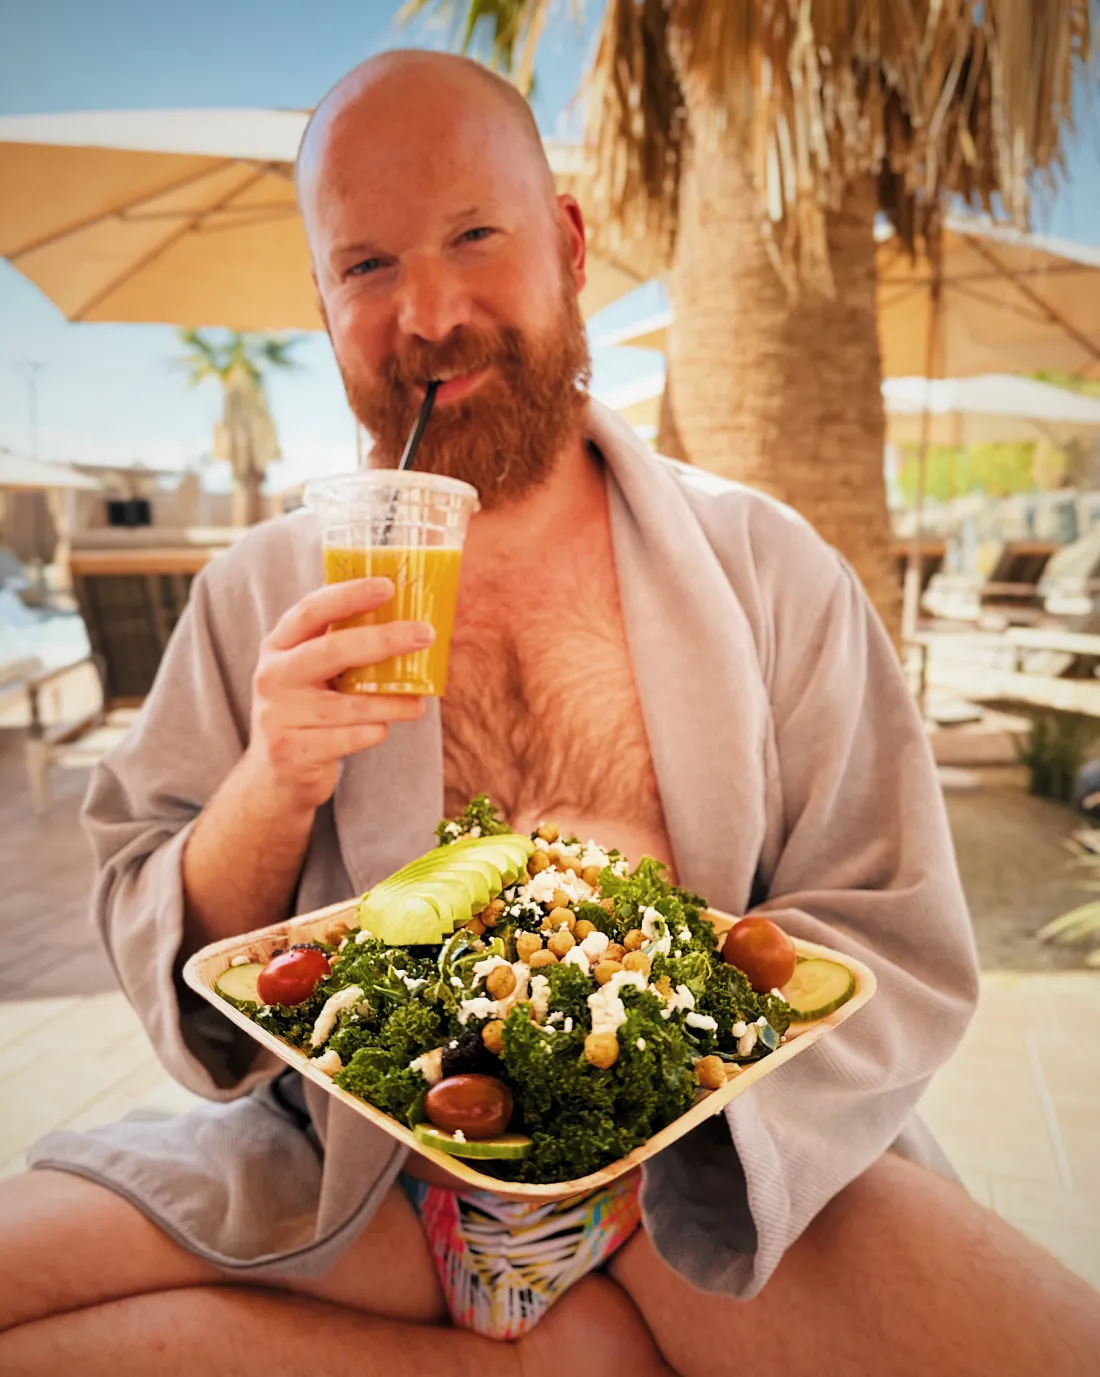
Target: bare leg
67,1244
244,1332
903,1274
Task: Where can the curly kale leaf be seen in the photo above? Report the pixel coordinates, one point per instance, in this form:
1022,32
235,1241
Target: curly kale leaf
291,1022
478,814
376,1077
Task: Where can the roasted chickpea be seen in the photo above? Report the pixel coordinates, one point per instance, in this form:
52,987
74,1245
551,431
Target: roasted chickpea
614,951
492,1036
591,875
488,918
710,1072
634,939
582,928
542,958
476,926
605,970
636,961
575,866
664,986
561,918
601,1049
559,899
560,942
608,905
556,857
500,982
527,943
548,832
539,861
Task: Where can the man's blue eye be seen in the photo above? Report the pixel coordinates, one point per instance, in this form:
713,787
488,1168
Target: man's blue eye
481,232
368,265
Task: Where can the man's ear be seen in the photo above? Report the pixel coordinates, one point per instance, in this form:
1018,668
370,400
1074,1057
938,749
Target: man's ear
572,223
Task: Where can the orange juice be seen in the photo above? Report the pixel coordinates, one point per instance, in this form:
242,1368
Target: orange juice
426,590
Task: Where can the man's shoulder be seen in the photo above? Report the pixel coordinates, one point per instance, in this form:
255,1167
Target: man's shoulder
752,530
269,567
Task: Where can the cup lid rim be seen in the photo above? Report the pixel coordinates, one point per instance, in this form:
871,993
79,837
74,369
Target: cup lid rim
341,485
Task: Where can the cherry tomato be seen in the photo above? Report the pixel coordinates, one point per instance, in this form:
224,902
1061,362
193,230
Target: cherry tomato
481,1106
763,951
292,977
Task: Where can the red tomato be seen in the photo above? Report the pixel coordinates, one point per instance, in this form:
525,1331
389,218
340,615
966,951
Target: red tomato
480,1106
292,977
763,951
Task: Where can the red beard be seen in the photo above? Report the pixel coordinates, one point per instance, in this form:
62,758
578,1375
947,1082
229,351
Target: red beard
505,437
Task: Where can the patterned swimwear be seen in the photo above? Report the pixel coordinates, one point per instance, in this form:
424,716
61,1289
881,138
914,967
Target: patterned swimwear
503,1263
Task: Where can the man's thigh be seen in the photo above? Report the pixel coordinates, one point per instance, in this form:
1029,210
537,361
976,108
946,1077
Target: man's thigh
901,1273
67,1244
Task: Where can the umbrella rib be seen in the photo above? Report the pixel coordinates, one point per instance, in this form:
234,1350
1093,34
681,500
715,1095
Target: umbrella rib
56,236
1055,317
161,248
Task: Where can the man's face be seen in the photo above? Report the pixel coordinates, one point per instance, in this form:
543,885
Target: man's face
440,253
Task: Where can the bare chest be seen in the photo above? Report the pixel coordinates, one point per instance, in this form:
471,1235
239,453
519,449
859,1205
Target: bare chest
542,714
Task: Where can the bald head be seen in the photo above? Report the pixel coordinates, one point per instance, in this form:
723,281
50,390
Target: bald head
409,83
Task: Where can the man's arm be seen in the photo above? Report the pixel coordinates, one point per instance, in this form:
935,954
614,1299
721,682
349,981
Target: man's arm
245,852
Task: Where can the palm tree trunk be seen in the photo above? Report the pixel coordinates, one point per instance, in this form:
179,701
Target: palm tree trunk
248,506
777,392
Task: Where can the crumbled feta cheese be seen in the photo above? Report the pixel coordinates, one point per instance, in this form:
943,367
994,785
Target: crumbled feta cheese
739,1029
474,831
683,934
412,982
456,982
640,1044
761,1022
452,1044
576,956
595,944
343,943
482,969
593,854
540,996
479,1007
541,844
326,1019
363,935
556,1017
681,998
329,1062
694,1020
653,923
607,1008
542,887
430,1065
621,867
240,961
746,1043
567,1026
777,994
458,1136
453,829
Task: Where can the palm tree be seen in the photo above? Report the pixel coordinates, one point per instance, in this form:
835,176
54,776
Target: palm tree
743,150
246,433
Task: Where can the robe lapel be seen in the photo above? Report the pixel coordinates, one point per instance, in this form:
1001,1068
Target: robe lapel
695,664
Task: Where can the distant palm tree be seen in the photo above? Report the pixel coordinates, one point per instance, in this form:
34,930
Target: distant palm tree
742,150
245,435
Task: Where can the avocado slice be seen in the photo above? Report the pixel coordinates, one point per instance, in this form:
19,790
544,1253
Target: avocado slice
408,921
507,1147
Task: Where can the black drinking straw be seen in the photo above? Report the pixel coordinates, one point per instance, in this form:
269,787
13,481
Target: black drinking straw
408,458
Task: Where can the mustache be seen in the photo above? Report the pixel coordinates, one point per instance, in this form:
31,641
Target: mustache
418,361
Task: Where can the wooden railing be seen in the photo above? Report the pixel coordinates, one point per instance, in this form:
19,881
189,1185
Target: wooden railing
991,667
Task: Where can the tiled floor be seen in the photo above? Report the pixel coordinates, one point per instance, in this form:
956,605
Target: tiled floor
1017,1109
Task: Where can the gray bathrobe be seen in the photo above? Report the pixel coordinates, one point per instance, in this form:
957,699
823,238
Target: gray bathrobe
785,747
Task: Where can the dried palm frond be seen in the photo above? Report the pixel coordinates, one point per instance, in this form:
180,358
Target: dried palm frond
515,27
970,97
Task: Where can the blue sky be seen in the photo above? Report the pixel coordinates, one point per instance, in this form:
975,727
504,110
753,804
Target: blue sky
115,393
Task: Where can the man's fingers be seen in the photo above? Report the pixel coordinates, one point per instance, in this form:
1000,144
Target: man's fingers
323,658
317,611
331,709
337,742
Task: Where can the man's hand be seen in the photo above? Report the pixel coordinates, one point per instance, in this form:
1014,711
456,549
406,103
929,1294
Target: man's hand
301,728
243,858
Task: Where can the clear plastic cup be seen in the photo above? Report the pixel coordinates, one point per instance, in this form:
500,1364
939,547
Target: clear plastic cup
409,527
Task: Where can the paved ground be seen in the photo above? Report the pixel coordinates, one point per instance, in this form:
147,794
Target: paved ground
1017,1109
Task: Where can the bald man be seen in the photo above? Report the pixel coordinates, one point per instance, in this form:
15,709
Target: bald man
441,253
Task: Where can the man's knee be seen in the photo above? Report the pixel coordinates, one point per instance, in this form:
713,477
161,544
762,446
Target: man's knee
67,1243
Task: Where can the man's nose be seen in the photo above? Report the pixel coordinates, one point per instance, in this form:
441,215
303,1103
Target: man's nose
431,301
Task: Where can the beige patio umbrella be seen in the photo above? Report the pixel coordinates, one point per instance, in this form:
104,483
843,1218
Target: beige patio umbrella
182,217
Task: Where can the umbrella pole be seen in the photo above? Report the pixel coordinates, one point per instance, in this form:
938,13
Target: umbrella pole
910,609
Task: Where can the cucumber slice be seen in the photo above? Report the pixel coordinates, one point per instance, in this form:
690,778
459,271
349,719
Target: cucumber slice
239,983
508,1147
817,988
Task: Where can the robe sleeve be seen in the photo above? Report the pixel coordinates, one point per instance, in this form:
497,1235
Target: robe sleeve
142,802
865,865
